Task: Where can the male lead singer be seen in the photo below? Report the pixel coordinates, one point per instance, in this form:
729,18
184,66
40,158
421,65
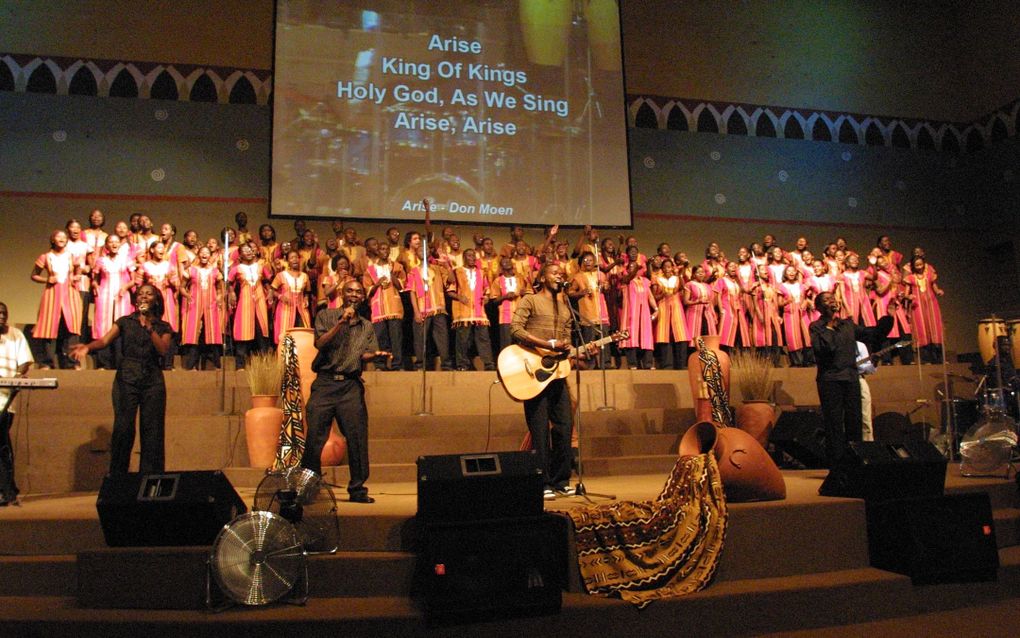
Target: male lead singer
834,342
345,340
543,320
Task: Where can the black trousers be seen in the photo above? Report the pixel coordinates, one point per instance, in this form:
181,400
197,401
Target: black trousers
345,402
390,335
8,488
242,349
671,356
841,412
438,329
196,354
591,333
480,335
552,444
138,390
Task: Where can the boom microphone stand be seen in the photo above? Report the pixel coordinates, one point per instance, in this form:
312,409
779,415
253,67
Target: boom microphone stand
425,320
605,407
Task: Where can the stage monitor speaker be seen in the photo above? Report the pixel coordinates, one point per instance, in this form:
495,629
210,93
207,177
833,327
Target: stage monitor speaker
474,487
884,471
939,539
896,427
173,508
491,569
801,434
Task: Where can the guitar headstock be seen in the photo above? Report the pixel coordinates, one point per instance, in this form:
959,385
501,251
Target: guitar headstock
621,335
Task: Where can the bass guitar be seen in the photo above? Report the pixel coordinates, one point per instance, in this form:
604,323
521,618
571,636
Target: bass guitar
525,372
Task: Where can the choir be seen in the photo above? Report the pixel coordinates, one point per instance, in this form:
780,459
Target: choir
242,296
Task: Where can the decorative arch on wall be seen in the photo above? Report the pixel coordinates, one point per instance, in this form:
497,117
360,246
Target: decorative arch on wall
824,126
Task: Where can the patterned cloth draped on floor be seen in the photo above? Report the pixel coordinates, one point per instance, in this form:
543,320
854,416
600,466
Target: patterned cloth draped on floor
711,372
647,550
292,434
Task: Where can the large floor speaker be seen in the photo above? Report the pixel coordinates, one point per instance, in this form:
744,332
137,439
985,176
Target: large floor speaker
174,508
493,569
801,434
940,539
883,471
474,487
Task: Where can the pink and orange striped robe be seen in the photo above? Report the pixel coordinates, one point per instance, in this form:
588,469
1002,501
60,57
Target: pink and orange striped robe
385,302
700,310
111,273
795,318
203,309
59,301
856,302
251,308
732,315
926,314
163,276
636,313
671,322
889,304
291,289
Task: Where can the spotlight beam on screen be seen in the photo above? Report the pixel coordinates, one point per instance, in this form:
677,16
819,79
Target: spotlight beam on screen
509,112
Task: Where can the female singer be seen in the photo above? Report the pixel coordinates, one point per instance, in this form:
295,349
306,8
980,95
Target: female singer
112,281
733,328
60,305
853,291
291,289
767,326
926,315
795,304
138,387
698,301
671,325
637,311
161,275
588,288
889,301
202,294
251,316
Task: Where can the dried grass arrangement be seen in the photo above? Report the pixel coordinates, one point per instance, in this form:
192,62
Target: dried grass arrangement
754,374
265,373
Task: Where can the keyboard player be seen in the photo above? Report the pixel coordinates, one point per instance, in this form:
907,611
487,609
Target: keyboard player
15,360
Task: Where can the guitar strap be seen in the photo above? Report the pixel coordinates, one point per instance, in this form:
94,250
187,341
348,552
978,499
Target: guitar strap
711,372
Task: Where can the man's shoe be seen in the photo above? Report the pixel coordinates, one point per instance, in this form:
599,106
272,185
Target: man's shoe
566,490
548,494
362,498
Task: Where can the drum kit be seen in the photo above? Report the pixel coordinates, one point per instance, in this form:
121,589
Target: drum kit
990,420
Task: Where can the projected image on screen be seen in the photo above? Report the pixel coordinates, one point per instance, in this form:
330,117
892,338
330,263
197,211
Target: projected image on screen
505,111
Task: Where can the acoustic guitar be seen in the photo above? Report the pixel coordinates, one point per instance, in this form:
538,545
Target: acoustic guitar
525,372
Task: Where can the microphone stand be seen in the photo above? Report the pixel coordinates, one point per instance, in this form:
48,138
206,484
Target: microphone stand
605,407
424,323
224,305
580,489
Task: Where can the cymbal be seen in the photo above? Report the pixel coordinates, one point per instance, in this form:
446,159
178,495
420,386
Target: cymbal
951,375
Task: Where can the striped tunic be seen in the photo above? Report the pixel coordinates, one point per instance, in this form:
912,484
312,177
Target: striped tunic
291,289
202,311
59,301
251,300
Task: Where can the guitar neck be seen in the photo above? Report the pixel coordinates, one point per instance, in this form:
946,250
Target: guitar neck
600,342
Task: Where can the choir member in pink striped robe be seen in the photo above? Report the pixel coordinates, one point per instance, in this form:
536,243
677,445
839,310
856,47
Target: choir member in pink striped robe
767,325
889,301
926,314
637,308
671,336
699,304
795,304
853,292
734,331
201,325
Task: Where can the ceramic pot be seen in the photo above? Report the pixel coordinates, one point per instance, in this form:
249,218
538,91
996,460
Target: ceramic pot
262,425
757,418
747,471
695,375
335,450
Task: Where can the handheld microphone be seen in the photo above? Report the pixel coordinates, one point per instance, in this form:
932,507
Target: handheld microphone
143,308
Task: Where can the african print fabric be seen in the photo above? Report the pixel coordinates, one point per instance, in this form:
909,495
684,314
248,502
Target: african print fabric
292,434
647,550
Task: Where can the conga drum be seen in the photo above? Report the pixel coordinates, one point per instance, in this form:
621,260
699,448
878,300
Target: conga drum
989,330
1013,330
603,18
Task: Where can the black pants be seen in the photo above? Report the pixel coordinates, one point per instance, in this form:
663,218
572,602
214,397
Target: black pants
552,444
593,333
242,349
671,356
345,402
196,354
638,358
438,329
138,389
8,488
841,411
390,335
480,335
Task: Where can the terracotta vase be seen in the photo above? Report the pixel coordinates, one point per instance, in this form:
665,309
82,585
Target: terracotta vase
335,450
757,418
699,391
262,430
748,472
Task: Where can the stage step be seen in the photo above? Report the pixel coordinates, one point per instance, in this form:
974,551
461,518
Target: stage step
735,608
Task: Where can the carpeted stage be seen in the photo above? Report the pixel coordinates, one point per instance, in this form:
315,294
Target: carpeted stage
787,566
